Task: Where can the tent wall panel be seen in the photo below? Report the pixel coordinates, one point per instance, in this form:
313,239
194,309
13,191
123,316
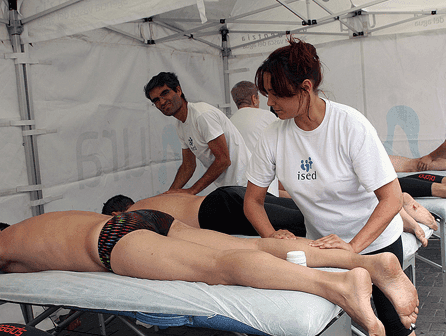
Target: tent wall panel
397,81
15,208
89,88
405,91
108,132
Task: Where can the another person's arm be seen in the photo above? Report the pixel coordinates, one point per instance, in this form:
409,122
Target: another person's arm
254,209
425,161
222,161
185,171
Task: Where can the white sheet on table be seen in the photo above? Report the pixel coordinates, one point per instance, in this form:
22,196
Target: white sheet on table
274,312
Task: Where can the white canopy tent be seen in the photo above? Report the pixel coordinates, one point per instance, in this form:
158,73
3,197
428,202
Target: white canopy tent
76,128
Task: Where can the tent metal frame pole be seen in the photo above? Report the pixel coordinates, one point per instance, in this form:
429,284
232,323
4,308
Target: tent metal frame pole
226,52
210,24
49,11
190,36
15,28
122,32
415,18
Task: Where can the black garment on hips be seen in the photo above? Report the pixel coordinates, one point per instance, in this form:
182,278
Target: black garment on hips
419,185
222,211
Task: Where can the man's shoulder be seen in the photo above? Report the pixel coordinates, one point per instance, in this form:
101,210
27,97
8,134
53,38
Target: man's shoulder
202,107
255,113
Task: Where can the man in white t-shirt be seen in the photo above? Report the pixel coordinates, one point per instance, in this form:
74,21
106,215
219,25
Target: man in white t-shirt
205,133
250,119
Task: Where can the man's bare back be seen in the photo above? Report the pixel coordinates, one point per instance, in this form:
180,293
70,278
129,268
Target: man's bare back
185,207
65,240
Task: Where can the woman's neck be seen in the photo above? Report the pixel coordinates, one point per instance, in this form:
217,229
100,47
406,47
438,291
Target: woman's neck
315,115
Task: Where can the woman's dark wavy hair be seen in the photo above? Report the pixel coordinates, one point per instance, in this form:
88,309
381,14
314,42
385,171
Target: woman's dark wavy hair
289,66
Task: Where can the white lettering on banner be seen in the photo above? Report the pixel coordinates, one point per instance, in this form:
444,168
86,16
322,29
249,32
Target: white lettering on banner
256,37
82,159
264,41
73,13
115,4
431,21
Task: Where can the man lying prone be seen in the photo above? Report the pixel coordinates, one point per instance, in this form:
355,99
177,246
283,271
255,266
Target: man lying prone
222,211
153,245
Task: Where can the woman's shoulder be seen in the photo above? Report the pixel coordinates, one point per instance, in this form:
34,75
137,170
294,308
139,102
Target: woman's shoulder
349,115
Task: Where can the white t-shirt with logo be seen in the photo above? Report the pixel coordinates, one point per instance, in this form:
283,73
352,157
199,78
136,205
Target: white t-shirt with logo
330,172
205,123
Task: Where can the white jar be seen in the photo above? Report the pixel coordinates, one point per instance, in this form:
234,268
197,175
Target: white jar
297,257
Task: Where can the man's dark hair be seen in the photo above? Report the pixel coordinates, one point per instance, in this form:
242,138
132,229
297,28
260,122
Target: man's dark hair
3,226
168,78
118,203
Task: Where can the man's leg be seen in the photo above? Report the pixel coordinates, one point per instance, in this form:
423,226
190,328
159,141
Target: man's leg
383,268
422,185
403,164
145,254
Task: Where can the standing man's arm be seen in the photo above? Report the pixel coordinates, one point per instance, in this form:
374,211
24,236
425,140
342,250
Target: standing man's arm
185,171
222,161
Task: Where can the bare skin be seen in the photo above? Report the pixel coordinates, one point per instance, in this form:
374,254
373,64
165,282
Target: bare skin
404,164
170,103
68,241
412,214
183,207
439,155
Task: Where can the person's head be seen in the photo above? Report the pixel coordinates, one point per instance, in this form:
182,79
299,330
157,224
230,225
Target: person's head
245,94
3,226
116,205
164,90
288,76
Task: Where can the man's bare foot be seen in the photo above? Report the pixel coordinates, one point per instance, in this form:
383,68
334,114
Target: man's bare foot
354,297
411,226
387,274
415,229
418,212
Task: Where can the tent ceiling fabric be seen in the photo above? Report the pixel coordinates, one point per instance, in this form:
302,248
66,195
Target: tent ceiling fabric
88,63
251,25
87,15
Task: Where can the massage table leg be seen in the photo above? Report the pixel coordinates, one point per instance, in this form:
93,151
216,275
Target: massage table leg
102,325
27,312
131,326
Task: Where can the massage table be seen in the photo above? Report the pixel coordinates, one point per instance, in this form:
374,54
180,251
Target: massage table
175,303
238,309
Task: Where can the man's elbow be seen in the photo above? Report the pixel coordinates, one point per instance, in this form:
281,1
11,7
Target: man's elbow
224,163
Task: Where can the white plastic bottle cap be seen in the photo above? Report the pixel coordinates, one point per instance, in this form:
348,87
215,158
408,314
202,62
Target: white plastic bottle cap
297,257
